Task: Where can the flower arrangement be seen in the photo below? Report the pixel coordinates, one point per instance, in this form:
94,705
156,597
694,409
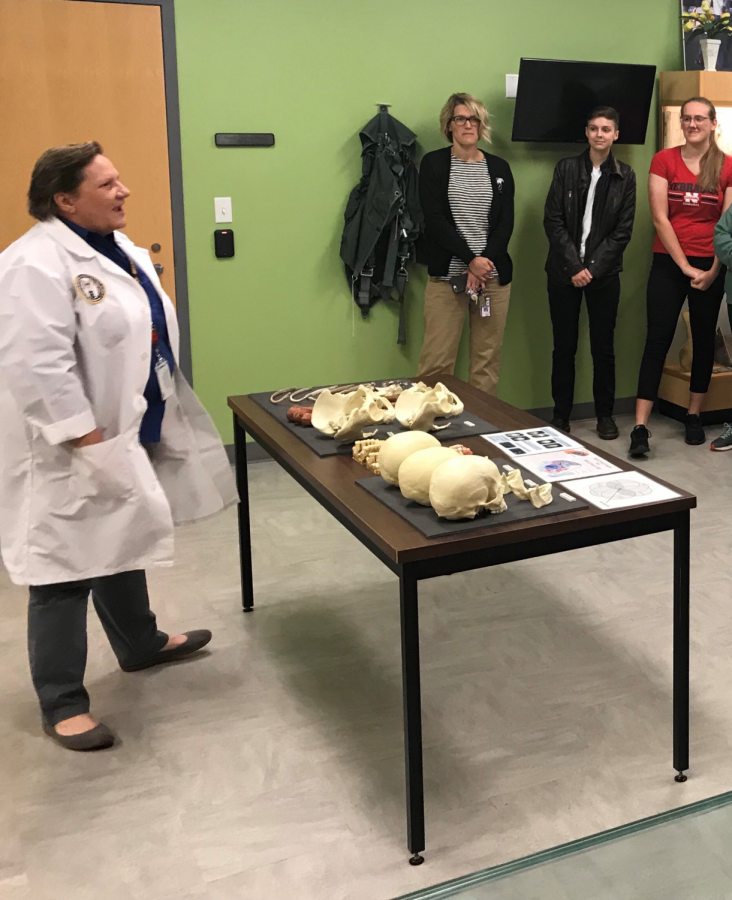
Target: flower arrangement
705,24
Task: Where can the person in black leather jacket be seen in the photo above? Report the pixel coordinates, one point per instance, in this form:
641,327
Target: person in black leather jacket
588,219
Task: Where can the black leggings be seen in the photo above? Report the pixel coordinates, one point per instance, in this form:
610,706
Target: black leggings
668,287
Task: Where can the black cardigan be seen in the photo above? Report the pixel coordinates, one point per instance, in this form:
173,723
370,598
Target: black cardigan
442,237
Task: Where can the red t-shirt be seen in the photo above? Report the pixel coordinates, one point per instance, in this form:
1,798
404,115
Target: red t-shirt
692,213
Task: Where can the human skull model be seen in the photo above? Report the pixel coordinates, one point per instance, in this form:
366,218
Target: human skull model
415,473
418,407
398,447
462,487
344,416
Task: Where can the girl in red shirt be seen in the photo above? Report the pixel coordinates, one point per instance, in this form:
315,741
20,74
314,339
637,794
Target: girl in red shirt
688,188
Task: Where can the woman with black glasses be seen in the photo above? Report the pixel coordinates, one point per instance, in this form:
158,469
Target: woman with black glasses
467,201
689,187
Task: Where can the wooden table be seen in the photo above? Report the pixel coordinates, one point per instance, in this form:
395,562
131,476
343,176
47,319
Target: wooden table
413,557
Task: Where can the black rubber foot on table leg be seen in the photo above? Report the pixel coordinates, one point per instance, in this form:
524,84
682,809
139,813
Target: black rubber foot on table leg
416,860
681,778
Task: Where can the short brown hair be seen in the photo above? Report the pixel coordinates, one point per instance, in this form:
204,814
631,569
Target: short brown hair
448,111
59,170
605,112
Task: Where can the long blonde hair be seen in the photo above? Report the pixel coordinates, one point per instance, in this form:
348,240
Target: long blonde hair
710,165
473,104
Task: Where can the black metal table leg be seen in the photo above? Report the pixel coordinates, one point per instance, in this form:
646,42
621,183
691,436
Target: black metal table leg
681,646
411,694
245,537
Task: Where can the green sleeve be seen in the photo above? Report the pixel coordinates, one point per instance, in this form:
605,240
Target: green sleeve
723,239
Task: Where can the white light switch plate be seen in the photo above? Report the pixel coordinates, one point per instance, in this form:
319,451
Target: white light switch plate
222,205
511,86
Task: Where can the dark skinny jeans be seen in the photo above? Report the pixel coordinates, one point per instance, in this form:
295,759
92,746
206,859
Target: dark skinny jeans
602,296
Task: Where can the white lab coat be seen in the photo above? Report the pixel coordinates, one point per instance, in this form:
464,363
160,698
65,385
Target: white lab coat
71,362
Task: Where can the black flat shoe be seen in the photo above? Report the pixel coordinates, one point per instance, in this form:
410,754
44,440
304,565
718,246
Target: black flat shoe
560,424
195,640
97,738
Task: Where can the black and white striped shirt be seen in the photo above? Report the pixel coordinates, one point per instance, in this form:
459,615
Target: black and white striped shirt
470,195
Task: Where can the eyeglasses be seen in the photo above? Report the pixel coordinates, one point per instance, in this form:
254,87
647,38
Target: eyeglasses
697,120
463,120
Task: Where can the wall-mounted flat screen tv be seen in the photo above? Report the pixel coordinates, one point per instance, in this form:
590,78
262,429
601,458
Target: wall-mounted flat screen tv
554,97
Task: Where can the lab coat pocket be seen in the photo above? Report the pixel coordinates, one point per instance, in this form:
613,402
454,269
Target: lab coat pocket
107,321
105,471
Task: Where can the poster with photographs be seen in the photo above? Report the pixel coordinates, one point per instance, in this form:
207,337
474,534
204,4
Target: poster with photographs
692,49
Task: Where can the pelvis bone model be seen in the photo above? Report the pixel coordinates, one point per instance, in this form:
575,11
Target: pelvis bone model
418,407
344,416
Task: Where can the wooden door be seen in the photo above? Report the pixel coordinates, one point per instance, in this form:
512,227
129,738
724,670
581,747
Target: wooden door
73,71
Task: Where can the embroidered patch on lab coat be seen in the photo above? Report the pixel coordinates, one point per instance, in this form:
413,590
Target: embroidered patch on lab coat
90,289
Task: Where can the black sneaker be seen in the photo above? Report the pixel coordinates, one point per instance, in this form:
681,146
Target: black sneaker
694,431
606,428
561,424
639,442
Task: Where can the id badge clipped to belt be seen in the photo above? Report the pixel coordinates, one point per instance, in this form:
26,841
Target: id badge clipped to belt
165,378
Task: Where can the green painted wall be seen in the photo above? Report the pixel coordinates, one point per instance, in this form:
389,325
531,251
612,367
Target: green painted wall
279,313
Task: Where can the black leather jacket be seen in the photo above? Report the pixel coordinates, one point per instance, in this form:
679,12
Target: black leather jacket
612,219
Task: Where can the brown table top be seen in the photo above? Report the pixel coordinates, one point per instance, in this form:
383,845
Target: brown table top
334,478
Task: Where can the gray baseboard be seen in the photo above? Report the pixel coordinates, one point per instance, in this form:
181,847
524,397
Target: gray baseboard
255,453
623,407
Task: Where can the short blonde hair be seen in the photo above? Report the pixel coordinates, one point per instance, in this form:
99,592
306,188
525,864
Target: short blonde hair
473,104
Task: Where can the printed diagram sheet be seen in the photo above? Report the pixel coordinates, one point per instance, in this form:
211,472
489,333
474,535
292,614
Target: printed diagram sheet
618,491
563,465
530,441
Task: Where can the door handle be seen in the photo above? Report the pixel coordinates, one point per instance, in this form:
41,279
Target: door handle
158,268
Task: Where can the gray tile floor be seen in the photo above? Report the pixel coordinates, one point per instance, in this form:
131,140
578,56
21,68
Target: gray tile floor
273,766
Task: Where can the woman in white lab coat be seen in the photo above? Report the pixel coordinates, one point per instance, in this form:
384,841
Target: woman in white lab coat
103,445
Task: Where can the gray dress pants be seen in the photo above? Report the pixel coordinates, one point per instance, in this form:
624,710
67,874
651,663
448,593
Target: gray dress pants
57,635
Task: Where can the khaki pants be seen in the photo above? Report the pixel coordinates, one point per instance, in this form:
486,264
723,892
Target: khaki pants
444,318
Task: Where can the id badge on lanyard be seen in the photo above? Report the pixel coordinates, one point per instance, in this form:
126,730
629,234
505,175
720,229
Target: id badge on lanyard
165,377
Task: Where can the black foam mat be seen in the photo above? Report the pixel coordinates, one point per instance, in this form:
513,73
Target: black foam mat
462,426
426,520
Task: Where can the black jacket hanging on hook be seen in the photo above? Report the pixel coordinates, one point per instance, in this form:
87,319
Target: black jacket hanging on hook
383,217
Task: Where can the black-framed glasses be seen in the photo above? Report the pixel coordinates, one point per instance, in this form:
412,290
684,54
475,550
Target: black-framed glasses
463,120
697,120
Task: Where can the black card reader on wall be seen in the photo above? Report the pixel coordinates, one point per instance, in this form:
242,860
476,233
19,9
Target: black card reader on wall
224,243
